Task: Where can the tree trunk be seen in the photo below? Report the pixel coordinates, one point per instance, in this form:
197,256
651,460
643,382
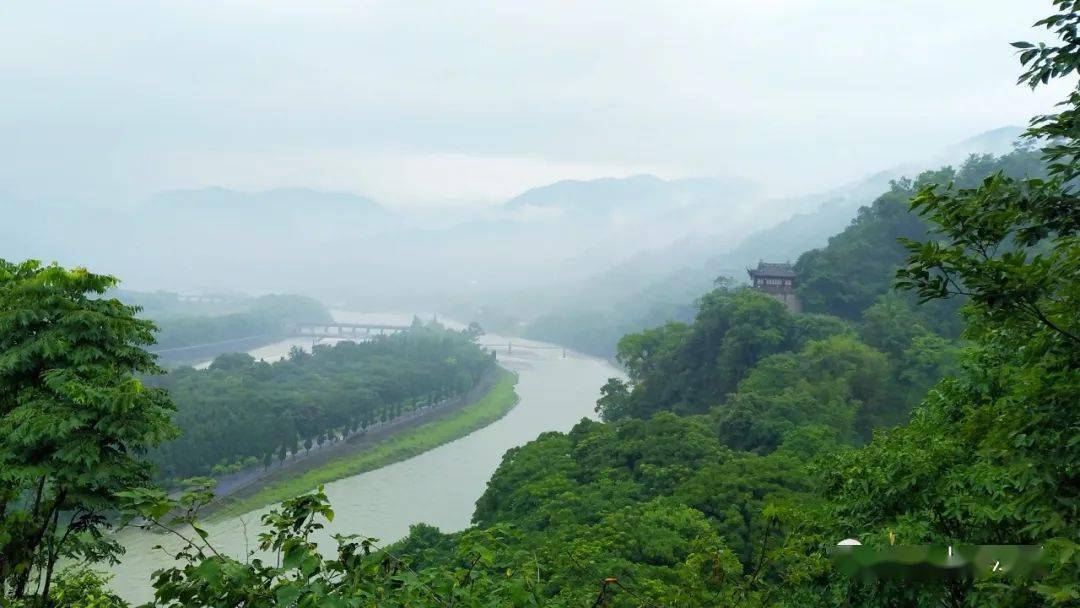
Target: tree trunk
53,554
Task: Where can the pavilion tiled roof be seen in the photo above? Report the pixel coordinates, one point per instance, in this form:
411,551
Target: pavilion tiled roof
766,269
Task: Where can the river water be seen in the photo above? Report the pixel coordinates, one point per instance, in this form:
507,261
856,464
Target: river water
439,487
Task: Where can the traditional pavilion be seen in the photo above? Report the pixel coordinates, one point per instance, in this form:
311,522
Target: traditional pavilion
776,280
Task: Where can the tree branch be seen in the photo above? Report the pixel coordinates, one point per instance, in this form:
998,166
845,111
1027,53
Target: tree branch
1034,310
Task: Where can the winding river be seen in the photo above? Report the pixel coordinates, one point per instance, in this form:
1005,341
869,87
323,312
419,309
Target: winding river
439,487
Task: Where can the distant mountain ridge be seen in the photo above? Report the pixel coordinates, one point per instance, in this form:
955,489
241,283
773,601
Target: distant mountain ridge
830,212
628,295
630,193
995,141
570,244
291,199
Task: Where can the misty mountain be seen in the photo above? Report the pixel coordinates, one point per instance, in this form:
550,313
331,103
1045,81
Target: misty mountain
63,231
541,241
630,293
204,240
575,243
995,141
280,201
635,194
586,226
278,211
831,211
688,267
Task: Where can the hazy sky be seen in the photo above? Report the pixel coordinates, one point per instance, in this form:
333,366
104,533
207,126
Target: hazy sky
421,102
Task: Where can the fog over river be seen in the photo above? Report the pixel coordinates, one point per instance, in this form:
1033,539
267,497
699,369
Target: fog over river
438,487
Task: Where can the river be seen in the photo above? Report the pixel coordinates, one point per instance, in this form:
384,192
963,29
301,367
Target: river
438,487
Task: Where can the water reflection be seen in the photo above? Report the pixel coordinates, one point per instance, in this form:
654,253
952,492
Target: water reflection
438,487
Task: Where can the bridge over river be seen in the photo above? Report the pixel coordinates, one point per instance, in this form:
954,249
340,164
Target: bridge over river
367,330
509,346
342,330
439,487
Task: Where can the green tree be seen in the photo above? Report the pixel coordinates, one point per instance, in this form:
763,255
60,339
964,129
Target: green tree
857,267
241,409
839,383
890,325
473,331
359,574
991,456
75,421
689,368
80,587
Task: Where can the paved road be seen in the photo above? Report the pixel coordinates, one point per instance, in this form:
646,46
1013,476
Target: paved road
228,485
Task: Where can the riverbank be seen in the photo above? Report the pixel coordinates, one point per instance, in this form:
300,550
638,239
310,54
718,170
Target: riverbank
438,486
375,451
196,353
297,462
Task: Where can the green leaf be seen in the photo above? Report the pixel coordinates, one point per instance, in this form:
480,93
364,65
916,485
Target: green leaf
287,594
209,570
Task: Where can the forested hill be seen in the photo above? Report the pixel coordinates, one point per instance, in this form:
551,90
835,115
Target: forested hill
859,264
184,325
744,446
694,490
241,412
842,278
746,442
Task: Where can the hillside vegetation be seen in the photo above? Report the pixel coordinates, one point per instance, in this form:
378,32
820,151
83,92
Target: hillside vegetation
266,316
927,396
843,278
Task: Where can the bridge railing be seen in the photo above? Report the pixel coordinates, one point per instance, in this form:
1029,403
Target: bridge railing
332,330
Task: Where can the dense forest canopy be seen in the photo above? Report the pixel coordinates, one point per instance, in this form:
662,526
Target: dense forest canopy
744,444
266,316
241,411
859,264
745,352
748,440
696,489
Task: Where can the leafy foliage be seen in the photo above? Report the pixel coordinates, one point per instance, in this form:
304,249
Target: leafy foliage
990,457
744,443
80,587
240,411
75,421
76,587
688,368
857,267
290,570
766,371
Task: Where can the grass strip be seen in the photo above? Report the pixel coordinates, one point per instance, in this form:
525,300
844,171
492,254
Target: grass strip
495,404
